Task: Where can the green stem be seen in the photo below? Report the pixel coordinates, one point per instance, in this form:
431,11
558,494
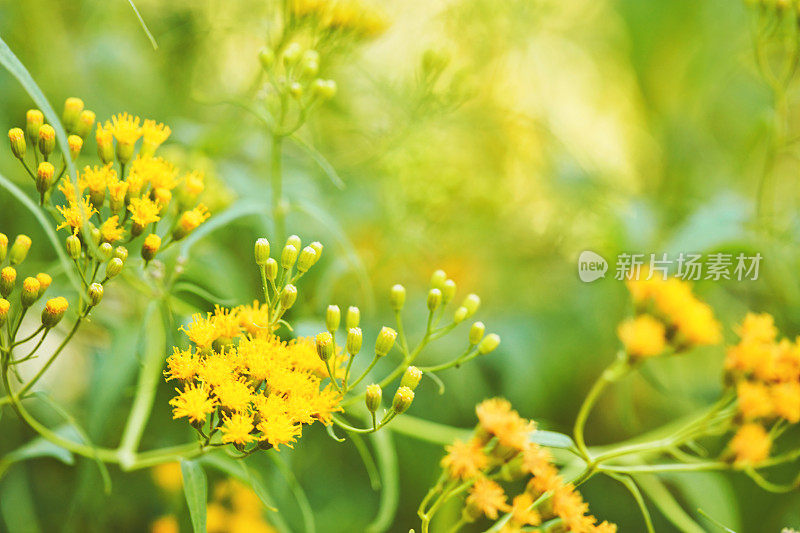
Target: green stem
276,180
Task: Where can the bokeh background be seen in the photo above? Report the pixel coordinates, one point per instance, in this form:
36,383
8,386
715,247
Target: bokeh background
495,139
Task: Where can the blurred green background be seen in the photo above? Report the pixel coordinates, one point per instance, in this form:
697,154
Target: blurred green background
495,139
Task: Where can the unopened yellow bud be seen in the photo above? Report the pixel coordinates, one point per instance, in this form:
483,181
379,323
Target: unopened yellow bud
95,294
288,256
288,296
448,291
44,177
296,90
150,247
294,240
471,302
323,89
460,315
402,400
266,57
3,246
19,250
85,123
105,145
74,247
121,252
96,235
271,269
437,279
261,251
30,291
114,267
411,377
5,306
354,340
385,341
333,317
47,140
308,256
54,311
353,317
75,145
373,397
397,297
44,282
434,299
489,344
291,53
104,251
324,345
72,112
17,139
476,333
34,119
8,276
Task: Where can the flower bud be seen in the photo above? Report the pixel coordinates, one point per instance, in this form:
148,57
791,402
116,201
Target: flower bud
373,397
308,256
271,268
72,112
74,247
114,267
121,252
3,246
261,251
105,145
353,317
17,138
34,120
288,256
44,283
288,296
397,297
402,400
411,377
266,57
96,235
294,240
460,315
354,339
19,250
434,299
75,144
54,311
85,123
292,53
332,318
324,89
104,251
324,345
476,333
385,341
471,302
489,344
5,306
448,291
30,291
8,276
47,140
44,177
150,247
437,279
317,246
296,90
95,294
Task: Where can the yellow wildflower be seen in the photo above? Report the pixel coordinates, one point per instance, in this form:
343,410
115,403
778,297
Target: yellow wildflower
153,135
465,460
110,231
74,214
237,429
193,402
125,128
279,430
182,365
96,178
754,400
487,497
751,444
144,211
642,336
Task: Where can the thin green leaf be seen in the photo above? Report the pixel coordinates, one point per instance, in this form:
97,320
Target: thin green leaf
47,226
390,493
320,160
17,504
552,439
197,290
39,447
667,504
630,484
368,460
297,491
715,522
195,488
144,26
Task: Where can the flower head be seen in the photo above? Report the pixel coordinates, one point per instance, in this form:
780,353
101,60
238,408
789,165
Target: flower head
193,402
465,460
487,497
642,336
751,444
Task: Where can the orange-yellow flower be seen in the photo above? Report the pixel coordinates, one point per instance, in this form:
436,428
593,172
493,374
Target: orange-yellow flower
193,402
487,497
465,460
642,336
751,444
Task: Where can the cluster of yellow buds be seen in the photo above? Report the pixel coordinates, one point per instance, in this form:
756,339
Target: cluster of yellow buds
501,450
112,203
343,18
294,88
667,315
765,372
13,308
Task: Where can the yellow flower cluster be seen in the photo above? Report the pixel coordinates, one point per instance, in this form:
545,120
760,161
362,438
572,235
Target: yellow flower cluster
256,388
349,17
235,509
501,447
766,373
667,314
